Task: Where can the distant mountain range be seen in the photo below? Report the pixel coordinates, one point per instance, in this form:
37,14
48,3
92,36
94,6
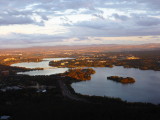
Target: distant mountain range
93,48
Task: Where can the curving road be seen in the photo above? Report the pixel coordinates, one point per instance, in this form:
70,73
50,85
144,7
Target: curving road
66,92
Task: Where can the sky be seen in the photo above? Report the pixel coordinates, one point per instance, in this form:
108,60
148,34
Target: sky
29,23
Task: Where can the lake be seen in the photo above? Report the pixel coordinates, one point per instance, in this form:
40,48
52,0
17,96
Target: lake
48,70
145,89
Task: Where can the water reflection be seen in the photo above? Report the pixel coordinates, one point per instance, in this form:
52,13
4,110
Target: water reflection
45,72
43,64
48,70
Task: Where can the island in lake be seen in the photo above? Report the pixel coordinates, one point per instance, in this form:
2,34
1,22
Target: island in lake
123,80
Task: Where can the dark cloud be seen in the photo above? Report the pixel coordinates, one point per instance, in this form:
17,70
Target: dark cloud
43,8
10,20
99,16
30,37
27,40
109,28
120,17
153,4
11,17
148,21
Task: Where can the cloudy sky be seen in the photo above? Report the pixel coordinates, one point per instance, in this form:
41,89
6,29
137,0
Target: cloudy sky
26,23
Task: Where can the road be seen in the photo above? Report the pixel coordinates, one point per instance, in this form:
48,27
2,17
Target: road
67,94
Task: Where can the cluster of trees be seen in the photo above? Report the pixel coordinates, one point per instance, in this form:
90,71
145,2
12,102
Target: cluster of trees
27,81
79,73
83,63
122,79
143,64
149,60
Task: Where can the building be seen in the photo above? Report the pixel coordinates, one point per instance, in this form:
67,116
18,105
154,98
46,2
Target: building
132,58
62,63
102,61
77,63
9,59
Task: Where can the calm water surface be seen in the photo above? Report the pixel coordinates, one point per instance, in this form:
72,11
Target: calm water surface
145,89
48,70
